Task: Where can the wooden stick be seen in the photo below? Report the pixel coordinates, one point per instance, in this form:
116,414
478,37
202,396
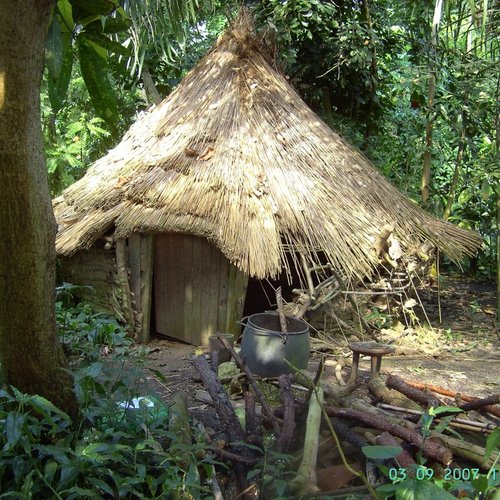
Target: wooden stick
279,302
479,404
456,395
377,387
266,409
223,406
285,438
366,327
431,449
147,286
122,273
250,416
414,394
229,420
404,459
234,457
345,433
461,423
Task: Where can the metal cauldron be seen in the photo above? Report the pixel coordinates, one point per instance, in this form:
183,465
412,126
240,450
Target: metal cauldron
266,348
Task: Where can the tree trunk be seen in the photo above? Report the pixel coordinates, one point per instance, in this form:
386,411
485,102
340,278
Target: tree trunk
371,111
429,125
30,353
458,166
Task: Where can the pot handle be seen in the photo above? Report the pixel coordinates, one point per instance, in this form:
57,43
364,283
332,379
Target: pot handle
241,321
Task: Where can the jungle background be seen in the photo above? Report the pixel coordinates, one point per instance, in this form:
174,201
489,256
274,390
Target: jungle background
414,84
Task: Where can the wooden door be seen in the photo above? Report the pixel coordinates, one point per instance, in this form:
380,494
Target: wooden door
197,291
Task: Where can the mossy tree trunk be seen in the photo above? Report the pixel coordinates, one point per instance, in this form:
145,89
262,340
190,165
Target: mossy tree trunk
30,353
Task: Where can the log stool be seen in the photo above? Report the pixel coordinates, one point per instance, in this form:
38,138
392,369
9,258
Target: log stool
372,349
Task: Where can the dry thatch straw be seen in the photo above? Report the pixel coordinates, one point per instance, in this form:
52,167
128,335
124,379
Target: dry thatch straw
236,156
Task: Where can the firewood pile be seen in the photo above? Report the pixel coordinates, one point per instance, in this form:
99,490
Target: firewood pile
329,431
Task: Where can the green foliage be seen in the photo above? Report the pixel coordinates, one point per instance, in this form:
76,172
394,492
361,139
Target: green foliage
381,452
119,448
419,481
273,472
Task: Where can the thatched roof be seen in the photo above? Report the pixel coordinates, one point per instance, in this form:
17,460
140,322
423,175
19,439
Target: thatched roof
235,155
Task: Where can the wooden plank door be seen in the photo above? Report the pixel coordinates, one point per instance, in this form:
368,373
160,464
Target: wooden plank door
197,290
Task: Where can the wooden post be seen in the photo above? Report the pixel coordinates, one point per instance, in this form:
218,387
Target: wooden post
146,286
122,272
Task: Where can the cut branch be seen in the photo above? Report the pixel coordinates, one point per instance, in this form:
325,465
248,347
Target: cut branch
266,409
432,449
424,398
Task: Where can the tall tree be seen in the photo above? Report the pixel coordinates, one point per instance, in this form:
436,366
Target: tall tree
30,353
426,174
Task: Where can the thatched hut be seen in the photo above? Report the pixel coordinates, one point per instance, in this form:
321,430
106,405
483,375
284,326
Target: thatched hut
214,185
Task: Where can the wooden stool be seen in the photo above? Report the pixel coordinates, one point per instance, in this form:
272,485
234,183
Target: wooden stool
372,349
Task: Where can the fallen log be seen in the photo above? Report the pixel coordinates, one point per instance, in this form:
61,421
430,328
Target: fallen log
424,398
467,450
431,449
378,388
455,395
223,406
228,418
404,459
458,447
479,404
266,409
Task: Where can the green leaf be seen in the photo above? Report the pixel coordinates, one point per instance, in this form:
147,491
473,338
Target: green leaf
94,73
161,377
413,489
107,44
492,443
445,421
485,190
66,12
381,452
114,25
58,83
45,407
444,409
102,485
54,49
101,7
480,483
387,490
14,427
68,475
101,51
50,470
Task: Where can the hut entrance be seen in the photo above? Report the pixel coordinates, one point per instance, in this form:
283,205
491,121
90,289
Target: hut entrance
197,291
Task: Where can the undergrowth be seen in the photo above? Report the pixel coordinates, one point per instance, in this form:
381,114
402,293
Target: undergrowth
120,446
